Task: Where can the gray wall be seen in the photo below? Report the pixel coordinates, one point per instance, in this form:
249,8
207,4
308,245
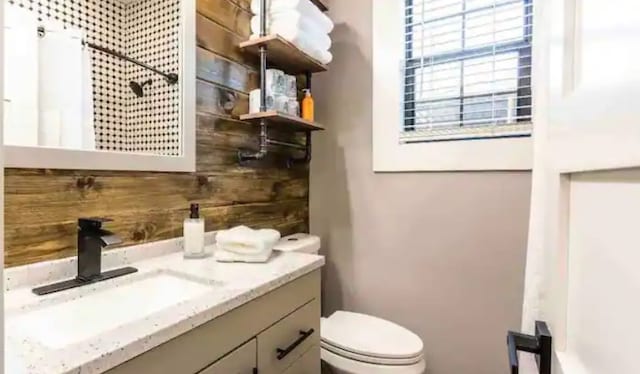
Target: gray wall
440,253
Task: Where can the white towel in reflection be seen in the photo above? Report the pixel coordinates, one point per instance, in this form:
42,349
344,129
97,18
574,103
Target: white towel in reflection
88,128
20,76
60,82
50,127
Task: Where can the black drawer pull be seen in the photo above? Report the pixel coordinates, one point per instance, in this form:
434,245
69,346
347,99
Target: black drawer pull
282,353
538,344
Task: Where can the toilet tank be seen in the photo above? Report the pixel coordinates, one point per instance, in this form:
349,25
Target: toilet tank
302,243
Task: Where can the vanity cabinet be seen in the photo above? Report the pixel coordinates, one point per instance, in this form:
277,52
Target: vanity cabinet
307,363
281,345
240,361
276,333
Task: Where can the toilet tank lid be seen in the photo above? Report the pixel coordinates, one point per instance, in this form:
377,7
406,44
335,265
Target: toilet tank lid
370,336
303,243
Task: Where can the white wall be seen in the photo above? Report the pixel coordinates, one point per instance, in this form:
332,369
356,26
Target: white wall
441,253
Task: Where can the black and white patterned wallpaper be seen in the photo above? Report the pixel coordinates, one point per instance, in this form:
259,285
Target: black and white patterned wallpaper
152,35
148,31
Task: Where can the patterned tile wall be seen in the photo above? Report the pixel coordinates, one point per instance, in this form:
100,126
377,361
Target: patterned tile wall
102,21
152,35
147,30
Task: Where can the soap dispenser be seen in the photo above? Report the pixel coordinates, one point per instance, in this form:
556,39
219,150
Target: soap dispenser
194,234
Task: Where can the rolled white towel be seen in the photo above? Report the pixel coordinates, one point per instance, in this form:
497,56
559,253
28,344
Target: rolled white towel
244,240
304,7
302,42
293,18
325,57
291,33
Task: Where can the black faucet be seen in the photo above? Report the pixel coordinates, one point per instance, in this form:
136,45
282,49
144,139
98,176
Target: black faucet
92,238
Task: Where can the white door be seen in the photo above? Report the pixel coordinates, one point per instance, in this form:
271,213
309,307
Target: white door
583,261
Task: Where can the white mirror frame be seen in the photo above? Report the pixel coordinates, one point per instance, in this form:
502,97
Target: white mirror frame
1,194
60,158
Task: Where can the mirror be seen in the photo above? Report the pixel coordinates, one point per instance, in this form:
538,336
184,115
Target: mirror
101,80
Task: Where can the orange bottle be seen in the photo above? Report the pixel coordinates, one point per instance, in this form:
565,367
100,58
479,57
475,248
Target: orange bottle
307,106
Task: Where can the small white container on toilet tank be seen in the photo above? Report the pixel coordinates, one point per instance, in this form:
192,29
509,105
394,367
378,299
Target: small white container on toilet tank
301,243
354,343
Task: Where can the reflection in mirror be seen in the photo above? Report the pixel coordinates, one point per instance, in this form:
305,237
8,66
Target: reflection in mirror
93,75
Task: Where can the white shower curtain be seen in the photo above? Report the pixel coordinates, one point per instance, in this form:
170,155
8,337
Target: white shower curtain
539,246
21,76
88,129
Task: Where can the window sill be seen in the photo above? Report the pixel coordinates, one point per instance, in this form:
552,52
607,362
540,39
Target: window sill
514,153
466,133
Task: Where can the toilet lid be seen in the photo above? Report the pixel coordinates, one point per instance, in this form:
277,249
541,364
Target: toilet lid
370,336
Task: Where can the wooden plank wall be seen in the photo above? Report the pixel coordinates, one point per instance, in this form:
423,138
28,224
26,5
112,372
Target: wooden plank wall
42,206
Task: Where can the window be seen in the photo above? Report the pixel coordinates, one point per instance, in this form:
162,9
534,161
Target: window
446,70
467,69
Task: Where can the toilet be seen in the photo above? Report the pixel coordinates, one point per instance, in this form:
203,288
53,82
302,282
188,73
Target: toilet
355,343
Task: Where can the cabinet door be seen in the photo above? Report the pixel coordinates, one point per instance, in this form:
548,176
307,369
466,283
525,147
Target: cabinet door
240,361
309,363
285,342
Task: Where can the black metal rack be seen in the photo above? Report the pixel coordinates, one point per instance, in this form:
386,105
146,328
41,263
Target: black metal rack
264,117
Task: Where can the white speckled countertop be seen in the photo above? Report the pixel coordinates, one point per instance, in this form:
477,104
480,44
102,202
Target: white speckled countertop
233,285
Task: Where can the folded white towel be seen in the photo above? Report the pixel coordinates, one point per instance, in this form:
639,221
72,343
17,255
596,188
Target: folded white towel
222,255
304,7
291,31
244,240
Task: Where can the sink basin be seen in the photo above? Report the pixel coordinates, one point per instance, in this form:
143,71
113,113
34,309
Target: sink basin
83,313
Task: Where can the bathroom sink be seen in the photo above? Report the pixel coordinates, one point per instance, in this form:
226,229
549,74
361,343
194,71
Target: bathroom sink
75,316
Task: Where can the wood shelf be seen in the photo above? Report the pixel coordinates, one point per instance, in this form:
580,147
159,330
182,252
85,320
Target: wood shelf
321,5
282,119
284,55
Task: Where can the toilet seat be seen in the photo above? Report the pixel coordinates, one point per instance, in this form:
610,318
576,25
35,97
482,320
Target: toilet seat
370,359
342,365
363,339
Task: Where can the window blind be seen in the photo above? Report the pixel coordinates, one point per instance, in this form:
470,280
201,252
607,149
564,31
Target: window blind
467,69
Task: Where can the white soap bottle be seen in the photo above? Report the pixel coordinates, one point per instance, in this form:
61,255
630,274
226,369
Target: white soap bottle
194,234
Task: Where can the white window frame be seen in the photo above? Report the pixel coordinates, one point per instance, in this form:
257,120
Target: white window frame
389,154
60,158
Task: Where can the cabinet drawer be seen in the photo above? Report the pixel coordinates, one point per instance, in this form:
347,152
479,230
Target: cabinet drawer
282,344
309,363
242,360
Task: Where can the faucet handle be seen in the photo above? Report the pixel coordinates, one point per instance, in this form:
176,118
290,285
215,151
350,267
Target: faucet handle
92,222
